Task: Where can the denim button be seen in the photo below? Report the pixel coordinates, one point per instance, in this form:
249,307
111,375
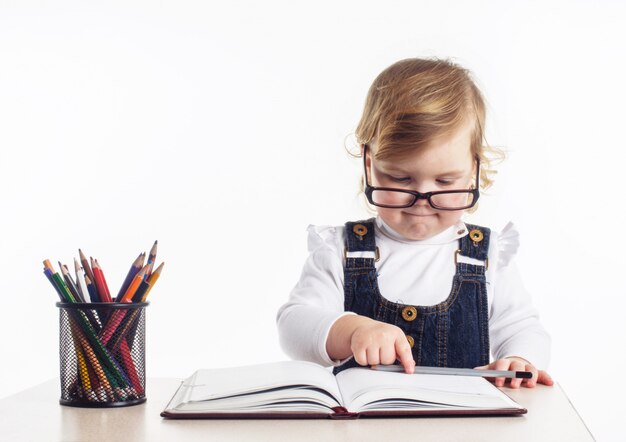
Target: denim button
476,235
409,313
411,340
360,230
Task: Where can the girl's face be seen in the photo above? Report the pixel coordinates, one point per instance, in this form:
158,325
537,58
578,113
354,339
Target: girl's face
444,164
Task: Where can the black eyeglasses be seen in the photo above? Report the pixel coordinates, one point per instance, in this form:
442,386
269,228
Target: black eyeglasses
389,197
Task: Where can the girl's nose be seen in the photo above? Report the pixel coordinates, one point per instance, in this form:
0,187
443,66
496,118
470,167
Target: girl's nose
422,202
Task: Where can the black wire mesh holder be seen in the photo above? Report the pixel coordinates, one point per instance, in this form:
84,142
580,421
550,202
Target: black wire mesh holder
102,354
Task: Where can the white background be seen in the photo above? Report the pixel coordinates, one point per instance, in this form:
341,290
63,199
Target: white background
220,130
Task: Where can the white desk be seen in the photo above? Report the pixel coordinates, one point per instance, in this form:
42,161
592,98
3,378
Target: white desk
35,415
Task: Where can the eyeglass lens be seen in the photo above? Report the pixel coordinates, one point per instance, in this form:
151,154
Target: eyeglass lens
391,198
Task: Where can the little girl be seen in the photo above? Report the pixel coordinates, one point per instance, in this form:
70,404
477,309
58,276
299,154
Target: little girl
416,284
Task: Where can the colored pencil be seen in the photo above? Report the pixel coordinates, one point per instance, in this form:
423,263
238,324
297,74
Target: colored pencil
133,320
80,282
132,288
152,257
101,284
47,265
118,315
70,283
93,360
134,269
83,373
49,274
88,272
62,287
91,288
152,280
141,290
128,363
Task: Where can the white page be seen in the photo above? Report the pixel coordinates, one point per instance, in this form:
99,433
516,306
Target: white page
360,386
289,400
212,384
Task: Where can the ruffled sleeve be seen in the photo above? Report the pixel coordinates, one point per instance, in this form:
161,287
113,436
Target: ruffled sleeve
316,302
508,244
321,237
514,325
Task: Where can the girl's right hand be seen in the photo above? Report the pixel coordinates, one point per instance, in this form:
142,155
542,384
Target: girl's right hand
371,342
377,342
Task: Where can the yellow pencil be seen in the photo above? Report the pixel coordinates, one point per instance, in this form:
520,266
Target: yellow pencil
83,373
152,279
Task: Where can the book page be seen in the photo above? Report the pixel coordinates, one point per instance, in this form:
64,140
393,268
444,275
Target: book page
280,385
364,389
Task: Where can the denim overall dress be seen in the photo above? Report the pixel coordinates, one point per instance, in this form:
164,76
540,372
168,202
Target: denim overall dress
453,333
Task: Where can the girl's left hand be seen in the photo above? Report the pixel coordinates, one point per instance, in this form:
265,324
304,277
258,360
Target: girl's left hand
518,364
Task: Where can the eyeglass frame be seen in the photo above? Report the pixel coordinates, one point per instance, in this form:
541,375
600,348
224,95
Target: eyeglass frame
369,190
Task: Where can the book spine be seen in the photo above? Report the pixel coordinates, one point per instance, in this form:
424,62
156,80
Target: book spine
341,413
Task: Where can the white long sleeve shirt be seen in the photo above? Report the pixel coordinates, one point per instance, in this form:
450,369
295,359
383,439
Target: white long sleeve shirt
416,272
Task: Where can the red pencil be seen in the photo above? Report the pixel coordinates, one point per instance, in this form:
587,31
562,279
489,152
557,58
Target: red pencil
101,284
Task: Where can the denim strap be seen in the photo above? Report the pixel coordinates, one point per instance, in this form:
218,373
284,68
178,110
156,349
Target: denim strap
475,249
360,237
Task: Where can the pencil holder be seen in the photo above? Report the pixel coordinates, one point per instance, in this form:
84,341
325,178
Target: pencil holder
102,354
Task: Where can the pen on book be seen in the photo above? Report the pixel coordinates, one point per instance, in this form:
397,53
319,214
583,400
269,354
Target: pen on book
457,371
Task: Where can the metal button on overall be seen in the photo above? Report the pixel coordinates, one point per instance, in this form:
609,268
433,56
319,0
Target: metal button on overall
476,235
360,230
409,313
411,340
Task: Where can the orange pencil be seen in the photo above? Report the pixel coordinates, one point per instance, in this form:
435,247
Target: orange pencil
47,265
132,288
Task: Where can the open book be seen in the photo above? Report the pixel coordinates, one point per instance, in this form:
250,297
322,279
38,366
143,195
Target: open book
301,389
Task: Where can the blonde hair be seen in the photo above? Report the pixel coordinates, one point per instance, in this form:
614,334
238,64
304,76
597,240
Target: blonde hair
416,100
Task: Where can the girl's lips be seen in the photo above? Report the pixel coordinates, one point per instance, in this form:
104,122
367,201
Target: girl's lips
420,214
